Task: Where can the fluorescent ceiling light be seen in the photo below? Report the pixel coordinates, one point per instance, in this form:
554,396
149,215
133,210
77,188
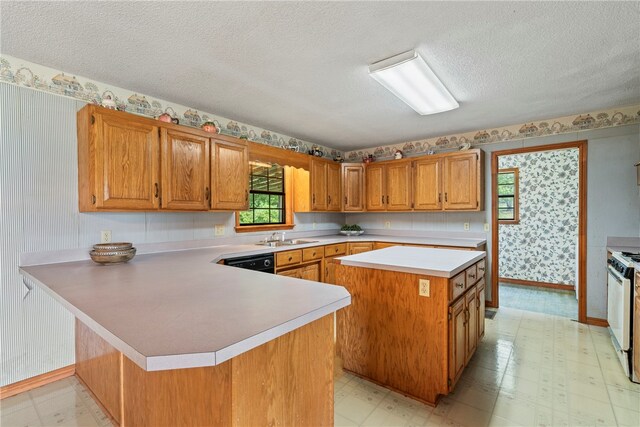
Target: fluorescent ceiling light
409,78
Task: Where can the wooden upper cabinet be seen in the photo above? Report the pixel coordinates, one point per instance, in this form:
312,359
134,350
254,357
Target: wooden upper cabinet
334,193
185,171
319,195
399,179
353,187
375,185
461,181
118,161
427,185
229,174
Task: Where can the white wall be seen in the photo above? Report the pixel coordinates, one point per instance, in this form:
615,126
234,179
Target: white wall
613,205
39,212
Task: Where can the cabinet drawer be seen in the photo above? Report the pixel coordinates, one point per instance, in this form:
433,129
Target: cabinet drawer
309,254
288,258
472,274
481,268
337,249
457,286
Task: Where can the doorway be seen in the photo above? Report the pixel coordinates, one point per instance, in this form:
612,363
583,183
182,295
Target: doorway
539,229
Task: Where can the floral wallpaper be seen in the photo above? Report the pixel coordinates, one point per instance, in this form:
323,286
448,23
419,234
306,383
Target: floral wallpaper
22,73
586,121
543,246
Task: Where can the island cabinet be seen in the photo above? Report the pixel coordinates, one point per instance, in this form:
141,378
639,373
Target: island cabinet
411,332
330,253
133,163
325,185
353,187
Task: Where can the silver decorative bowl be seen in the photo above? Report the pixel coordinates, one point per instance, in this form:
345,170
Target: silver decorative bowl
110,247
351,233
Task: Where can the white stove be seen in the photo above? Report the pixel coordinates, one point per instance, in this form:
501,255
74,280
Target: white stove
620,294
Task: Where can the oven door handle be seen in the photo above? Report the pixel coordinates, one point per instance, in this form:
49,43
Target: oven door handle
615,276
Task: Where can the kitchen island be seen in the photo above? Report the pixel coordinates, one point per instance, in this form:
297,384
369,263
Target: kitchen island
174,339
415,319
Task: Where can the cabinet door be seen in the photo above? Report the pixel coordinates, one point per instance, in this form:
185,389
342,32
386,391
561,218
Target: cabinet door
375,187
229,175
357,248
318,185
481,309
334,196
461,182
636,329
295,272
353,188
472,322
185,171
329,271
398,196
311,272
127,161
457,341
427,185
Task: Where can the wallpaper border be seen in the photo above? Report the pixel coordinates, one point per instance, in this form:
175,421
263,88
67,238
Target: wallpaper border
19,72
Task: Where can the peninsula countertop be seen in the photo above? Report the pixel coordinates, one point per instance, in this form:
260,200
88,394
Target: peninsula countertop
179,309
423,261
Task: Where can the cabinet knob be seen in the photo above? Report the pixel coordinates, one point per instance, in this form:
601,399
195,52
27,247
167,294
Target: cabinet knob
290,258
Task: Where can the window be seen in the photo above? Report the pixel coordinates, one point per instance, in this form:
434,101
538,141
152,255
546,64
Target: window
508,196
266,196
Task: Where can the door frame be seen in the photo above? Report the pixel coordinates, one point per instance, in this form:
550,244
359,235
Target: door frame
581,145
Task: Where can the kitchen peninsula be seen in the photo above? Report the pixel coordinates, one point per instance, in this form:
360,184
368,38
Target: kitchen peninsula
174,339
415,318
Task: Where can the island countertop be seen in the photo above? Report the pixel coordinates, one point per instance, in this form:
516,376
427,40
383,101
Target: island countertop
423,261
178,310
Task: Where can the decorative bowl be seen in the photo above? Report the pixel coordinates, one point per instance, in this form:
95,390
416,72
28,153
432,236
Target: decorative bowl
110,247
351,233
112,257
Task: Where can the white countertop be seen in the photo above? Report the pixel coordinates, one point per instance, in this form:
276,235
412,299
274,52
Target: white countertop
180,309
423,261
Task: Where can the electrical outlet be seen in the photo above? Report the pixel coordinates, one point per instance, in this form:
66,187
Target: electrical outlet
105,236
466,226
486,226
423,288
219,230
387,224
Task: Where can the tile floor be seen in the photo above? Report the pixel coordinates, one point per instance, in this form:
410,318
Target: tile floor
531,369
541,300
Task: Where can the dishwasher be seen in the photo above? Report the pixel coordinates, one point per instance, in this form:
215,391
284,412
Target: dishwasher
262,262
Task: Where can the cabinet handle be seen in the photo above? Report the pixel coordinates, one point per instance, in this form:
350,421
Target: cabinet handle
345,200
313,199
157,190
459,285
383,200
206,193
93,199
439,197
290,258
445,197
387,199
473,276
329,200
481,269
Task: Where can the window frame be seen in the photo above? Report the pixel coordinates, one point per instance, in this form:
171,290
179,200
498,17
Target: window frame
287,208
516,196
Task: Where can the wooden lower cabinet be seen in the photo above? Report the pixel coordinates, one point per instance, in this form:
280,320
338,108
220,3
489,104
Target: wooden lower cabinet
482,306
285,382
636,327
306,272
457,340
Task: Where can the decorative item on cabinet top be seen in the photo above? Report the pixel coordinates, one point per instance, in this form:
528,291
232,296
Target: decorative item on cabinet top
132,163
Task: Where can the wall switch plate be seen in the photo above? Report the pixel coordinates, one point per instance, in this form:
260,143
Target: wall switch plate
486,226
466,226
219,230
423,288
387,224
105,236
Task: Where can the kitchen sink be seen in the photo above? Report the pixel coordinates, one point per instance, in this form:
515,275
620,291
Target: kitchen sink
291,242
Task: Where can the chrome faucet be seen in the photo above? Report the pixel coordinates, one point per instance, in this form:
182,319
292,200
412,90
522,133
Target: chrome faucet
277,236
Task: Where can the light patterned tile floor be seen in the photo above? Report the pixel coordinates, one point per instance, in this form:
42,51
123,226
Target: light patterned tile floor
531,369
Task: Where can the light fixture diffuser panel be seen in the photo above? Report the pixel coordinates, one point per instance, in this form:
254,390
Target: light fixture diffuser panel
409,78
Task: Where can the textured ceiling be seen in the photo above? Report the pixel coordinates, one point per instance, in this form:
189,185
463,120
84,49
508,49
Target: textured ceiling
301,67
